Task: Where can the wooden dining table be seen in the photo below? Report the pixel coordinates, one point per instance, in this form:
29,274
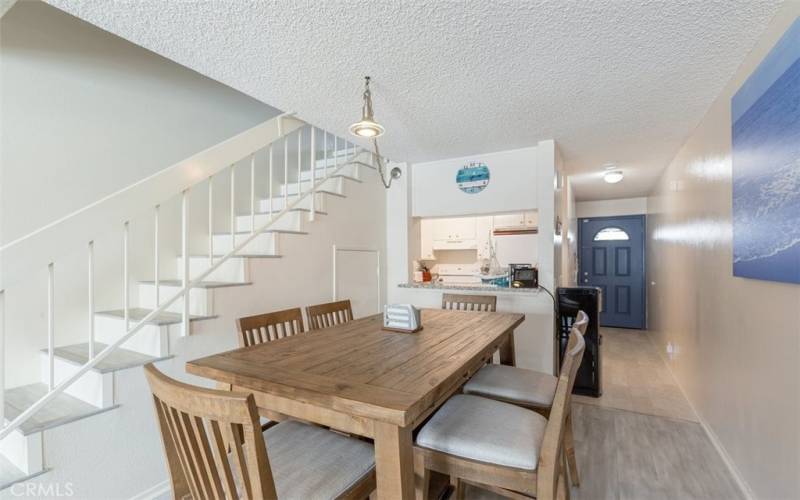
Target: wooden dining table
363,380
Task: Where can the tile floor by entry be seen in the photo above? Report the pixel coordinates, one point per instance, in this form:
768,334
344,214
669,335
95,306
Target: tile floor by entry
635,377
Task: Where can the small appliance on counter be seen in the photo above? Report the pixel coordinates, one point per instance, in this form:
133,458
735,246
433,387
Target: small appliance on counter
523,276
403,318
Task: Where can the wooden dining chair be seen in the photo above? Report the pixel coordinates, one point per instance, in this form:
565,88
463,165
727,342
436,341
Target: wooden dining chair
331,314
270,326
499,446
215,449
530,389
486,303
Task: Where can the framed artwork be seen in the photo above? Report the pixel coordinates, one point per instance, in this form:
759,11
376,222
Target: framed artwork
765,114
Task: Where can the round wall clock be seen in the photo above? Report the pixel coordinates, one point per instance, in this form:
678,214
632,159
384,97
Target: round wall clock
473,178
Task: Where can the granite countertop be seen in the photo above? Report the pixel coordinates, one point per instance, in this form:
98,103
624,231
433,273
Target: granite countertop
469,288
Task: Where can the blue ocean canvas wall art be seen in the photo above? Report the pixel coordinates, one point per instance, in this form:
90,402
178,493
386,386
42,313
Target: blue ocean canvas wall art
766,166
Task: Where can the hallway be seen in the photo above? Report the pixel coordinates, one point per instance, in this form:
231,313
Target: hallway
636,378
641,440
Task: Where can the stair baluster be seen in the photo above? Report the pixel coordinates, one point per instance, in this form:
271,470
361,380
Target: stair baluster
91,300
313,173
211,220
252,193
51,326
270,182
186,256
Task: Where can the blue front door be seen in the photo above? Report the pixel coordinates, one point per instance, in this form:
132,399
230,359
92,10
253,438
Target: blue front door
612,258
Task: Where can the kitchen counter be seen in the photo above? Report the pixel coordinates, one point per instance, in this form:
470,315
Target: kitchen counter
533,339
469,288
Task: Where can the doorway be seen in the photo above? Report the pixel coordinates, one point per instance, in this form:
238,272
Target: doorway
612,259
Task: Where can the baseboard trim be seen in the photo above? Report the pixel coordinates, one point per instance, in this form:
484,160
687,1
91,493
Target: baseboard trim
153,491
747,492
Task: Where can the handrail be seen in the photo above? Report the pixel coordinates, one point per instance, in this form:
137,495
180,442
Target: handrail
36,250
189,284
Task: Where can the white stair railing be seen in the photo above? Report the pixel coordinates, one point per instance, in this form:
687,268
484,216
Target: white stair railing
208,163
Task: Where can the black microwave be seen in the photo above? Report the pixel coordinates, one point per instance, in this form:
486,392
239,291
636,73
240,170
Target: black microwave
524,277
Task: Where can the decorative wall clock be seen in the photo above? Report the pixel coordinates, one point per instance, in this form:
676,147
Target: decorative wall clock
473,178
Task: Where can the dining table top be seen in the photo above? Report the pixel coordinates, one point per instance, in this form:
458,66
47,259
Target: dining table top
360,369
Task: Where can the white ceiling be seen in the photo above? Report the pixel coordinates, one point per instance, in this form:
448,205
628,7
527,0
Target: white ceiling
621,81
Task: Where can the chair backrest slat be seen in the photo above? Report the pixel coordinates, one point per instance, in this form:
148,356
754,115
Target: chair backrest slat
221,460
460,302
198,428
328,315
270,326
548,470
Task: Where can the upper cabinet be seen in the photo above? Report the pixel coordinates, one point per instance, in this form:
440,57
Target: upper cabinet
461,228
470,233
426,239
454,234
516,222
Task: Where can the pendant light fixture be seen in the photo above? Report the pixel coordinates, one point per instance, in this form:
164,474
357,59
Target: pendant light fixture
368,128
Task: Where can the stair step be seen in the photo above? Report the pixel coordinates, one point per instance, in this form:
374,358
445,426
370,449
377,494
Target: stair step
202,284
350,172
302,205
62,409
162,319
276,231
251,256
264,243
11,475
332,186
119,359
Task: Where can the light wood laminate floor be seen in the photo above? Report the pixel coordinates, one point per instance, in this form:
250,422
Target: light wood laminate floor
641,439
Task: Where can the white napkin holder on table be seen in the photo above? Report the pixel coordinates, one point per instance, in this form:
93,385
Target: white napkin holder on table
404,318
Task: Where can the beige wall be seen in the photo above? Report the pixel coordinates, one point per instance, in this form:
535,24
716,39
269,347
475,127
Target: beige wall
86,113
738,340
567,241
606,208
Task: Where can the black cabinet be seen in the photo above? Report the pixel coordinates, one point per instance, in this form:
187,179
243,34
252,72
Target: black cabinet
588,299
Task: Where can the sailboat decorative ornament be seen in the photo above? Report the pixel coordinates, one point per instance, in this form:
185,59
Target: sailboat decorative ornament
368,128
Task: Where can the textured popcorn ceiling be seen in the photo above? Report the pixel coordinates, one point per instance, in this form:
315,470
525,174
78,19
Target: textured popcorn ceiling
621,81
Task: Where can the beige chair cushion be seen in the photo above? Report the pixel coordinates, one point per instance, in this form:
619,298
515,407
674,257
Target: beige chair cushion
515,385
313,463
485,430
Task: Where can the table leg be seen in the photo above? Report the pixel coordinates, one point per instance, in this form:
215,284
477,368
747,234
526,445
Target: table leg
507,356
394,462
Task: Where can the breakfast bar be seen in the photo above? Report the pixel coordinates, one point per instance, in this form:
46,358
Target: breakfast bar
533,340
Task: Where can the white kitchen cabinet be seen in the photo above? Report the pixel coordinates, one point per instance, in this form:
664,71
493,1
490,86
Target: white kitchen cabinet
454,234
518,221
531,219
426,240
483,236
454,230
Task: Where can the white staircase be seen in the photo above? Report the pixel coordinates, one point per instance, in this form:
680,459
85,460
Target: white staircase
77,380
